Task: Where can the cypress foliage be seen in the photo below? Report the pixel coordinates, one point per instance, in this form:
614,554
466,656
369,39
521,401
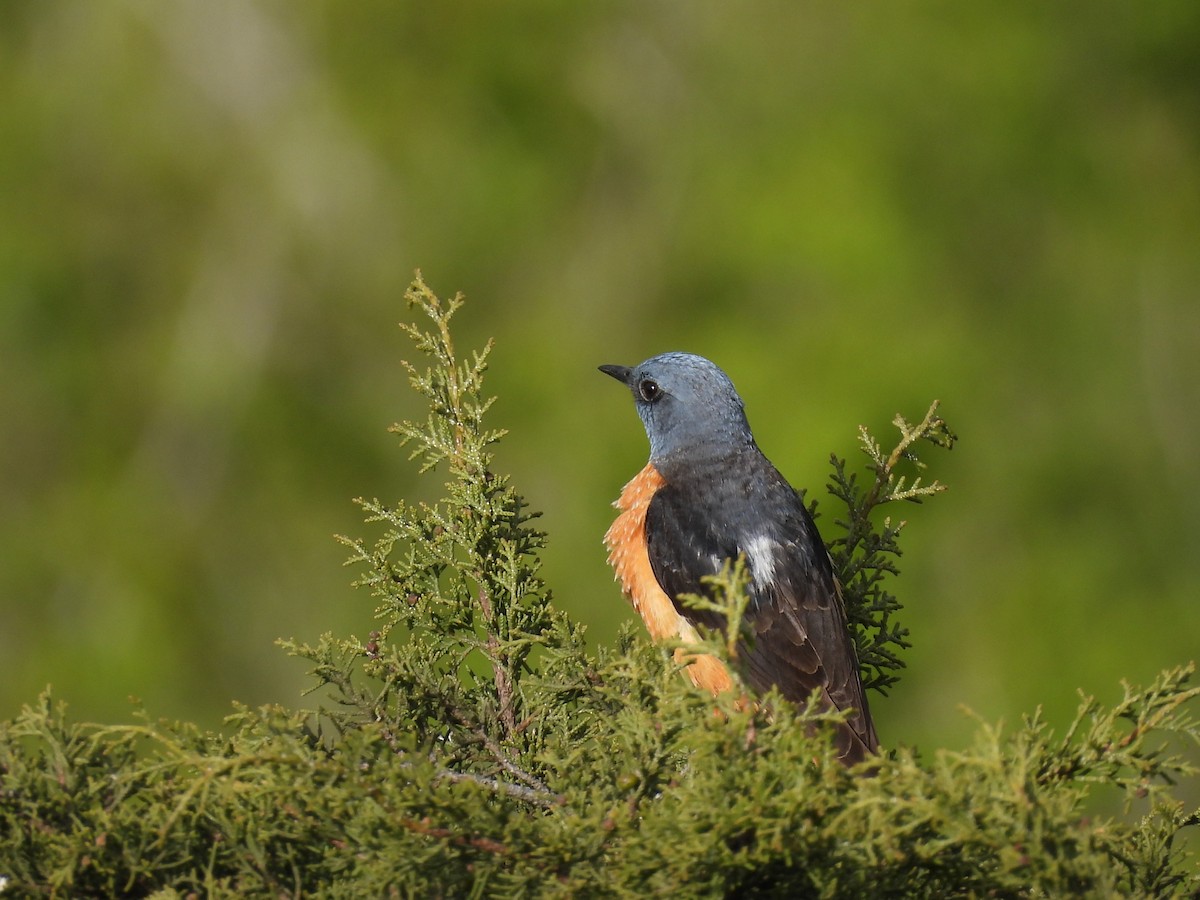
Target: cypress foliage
474,746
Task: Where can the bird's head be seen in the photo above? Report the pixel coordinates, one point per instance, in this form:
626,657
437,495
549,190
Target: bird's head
689,406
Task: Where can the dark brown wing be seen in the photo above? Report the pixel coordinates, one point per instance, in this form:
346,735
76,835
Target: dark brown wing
800,640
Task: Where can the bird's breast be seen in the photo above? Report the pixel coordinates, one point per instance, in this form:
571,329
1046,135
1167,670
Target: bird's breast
627,554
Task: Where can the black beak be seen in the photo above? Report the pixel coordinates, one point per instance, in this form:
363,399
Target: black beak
621,373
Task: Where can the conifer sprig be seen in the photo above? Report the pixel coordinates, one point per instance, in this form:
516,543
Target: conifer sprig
458,577
865,553
728,596
1109,745
453,387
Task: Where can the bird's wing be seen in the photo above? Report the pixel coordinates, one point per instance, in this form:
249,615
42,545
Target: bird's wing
800,642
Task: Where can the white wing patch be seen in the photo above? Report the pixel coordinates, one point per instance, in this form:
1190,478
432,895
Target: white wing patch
760,553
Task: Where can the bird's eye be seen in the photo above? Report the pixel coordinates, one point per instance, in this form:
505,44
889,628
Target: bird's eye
649,390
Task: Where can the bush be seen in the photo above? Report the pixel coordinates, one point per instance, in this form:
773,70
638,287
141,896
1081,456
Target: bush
474,746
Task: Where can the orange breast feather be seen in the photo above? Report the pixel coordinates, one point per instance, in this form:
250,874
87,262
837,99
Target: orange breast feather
626,542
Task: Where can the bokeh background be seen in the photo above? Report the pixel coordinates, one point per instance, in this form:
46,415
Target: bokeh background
209,212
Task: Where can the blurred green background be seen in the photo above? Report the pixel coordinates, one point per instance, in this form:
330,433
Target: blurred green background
209,212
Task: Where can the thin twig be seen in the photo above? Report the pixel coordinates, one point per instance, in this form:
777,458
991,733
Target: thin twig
495,749
544,798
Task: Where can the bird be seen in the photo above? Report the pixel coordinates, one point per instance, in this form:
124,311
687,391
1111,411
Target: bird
708,495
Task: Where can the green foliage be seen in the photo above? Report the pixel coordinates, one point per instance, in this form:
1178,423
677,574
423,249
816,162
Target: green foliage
864,555
477,747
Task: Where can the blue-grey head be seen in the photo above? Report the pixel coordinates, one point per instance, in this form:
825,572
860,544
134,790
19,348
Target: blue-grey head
689,406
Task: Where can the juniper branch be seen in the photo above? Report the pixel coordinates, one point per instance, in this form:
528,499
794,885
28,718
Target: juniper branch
864,554
887,486
538,796
728,596
1095,748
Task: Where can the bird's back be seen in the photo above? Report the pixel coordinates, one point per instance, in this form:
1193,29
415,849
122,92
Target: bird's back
708,511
